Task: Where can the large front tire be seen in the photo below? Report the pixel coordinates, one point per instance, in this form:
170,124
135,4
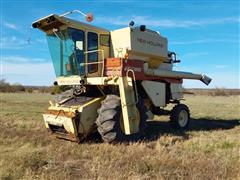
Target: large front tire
109,121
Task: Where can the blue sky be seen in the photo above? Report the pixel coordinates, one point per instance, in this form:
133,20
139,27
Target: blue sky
205,35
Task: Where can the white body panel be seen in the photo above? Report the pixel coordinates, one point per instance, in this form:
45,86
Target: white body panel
176,91
140,44
66,122
156,92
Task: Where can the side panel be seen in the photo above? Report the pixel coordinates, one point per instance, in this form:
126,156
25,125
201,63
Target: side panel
149,44
156,92
143,45
120,40
56,120
88,115
176,91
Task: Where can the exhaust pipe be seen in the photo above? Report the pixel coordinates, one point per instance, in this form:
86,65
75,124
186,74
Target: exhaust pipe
176,74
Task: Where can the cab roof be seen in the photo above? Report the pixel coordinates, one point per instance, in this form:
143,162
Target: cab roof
48,23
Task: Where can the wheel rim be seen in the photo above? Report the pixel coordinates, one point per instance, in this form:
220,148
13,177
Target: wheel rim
183,118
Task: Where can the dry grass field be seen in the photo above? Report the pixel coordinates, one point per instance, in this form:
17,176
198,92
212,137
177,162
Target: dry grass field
209,150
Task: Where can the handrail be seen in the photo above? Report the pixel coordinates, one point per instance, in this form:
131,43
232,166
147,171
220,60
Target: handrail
98,62
134,82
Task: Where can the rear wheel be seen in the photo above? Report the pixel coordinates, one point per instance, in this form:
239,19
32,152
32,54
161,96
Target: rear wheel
180,116
110,120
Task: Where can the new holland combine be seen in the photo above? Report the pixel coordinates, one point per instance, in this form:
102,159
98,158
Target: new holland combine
118,79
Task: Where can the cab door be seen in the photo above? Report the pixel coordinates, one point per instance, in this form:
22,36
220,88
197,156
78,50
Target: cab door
78,37
93,54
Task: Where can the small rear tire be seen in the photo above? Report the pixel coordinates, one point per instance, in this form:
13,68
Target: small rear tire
180,117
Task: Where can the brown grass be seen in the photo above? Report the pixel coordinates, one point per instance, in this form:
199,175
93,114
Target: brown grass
209,150
213,92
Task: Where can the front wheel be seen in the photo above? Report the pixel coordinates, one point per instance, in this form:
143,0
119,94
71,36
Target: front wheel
180,116
110,120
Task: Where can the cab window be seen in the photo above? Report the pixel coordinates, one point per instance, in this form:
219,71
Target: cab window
78,39
104,40
92,56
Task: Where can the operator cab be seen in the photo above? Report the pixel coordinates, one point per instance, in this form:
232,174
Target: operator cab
76,48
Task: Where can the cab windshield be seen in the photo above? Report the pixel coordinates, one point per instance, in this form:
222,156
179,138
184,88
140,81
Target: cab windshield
67,51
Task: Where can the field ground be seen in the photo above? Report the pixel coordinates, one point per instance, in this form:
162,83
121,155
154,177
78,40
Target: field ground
209,150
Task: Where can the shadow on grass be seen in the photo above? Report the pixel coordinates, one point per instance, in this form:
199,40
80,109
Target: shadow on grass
157,128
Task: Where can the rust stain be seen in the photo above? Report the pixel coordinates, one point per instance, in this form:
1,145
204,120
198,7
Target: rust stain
66,136
62,113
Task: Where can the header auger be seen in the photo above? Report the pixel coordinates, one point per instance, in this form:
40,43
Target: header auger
117,79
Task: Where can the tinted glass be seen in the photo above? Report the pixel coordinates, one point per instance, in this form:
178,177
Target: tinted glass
60,48
67,51
92,56
104,40
78,40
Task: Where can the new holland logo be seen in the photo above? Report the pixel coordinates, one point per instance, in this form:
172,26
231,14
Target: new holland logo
148,42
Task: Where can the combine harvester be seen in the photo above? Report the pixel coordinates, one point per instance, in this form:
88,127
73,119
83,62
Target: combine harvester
118,79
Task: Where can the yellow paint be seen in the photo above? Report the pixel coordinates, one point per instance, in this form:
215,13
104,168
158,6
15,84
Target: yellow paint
75,80
88,115
129,110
